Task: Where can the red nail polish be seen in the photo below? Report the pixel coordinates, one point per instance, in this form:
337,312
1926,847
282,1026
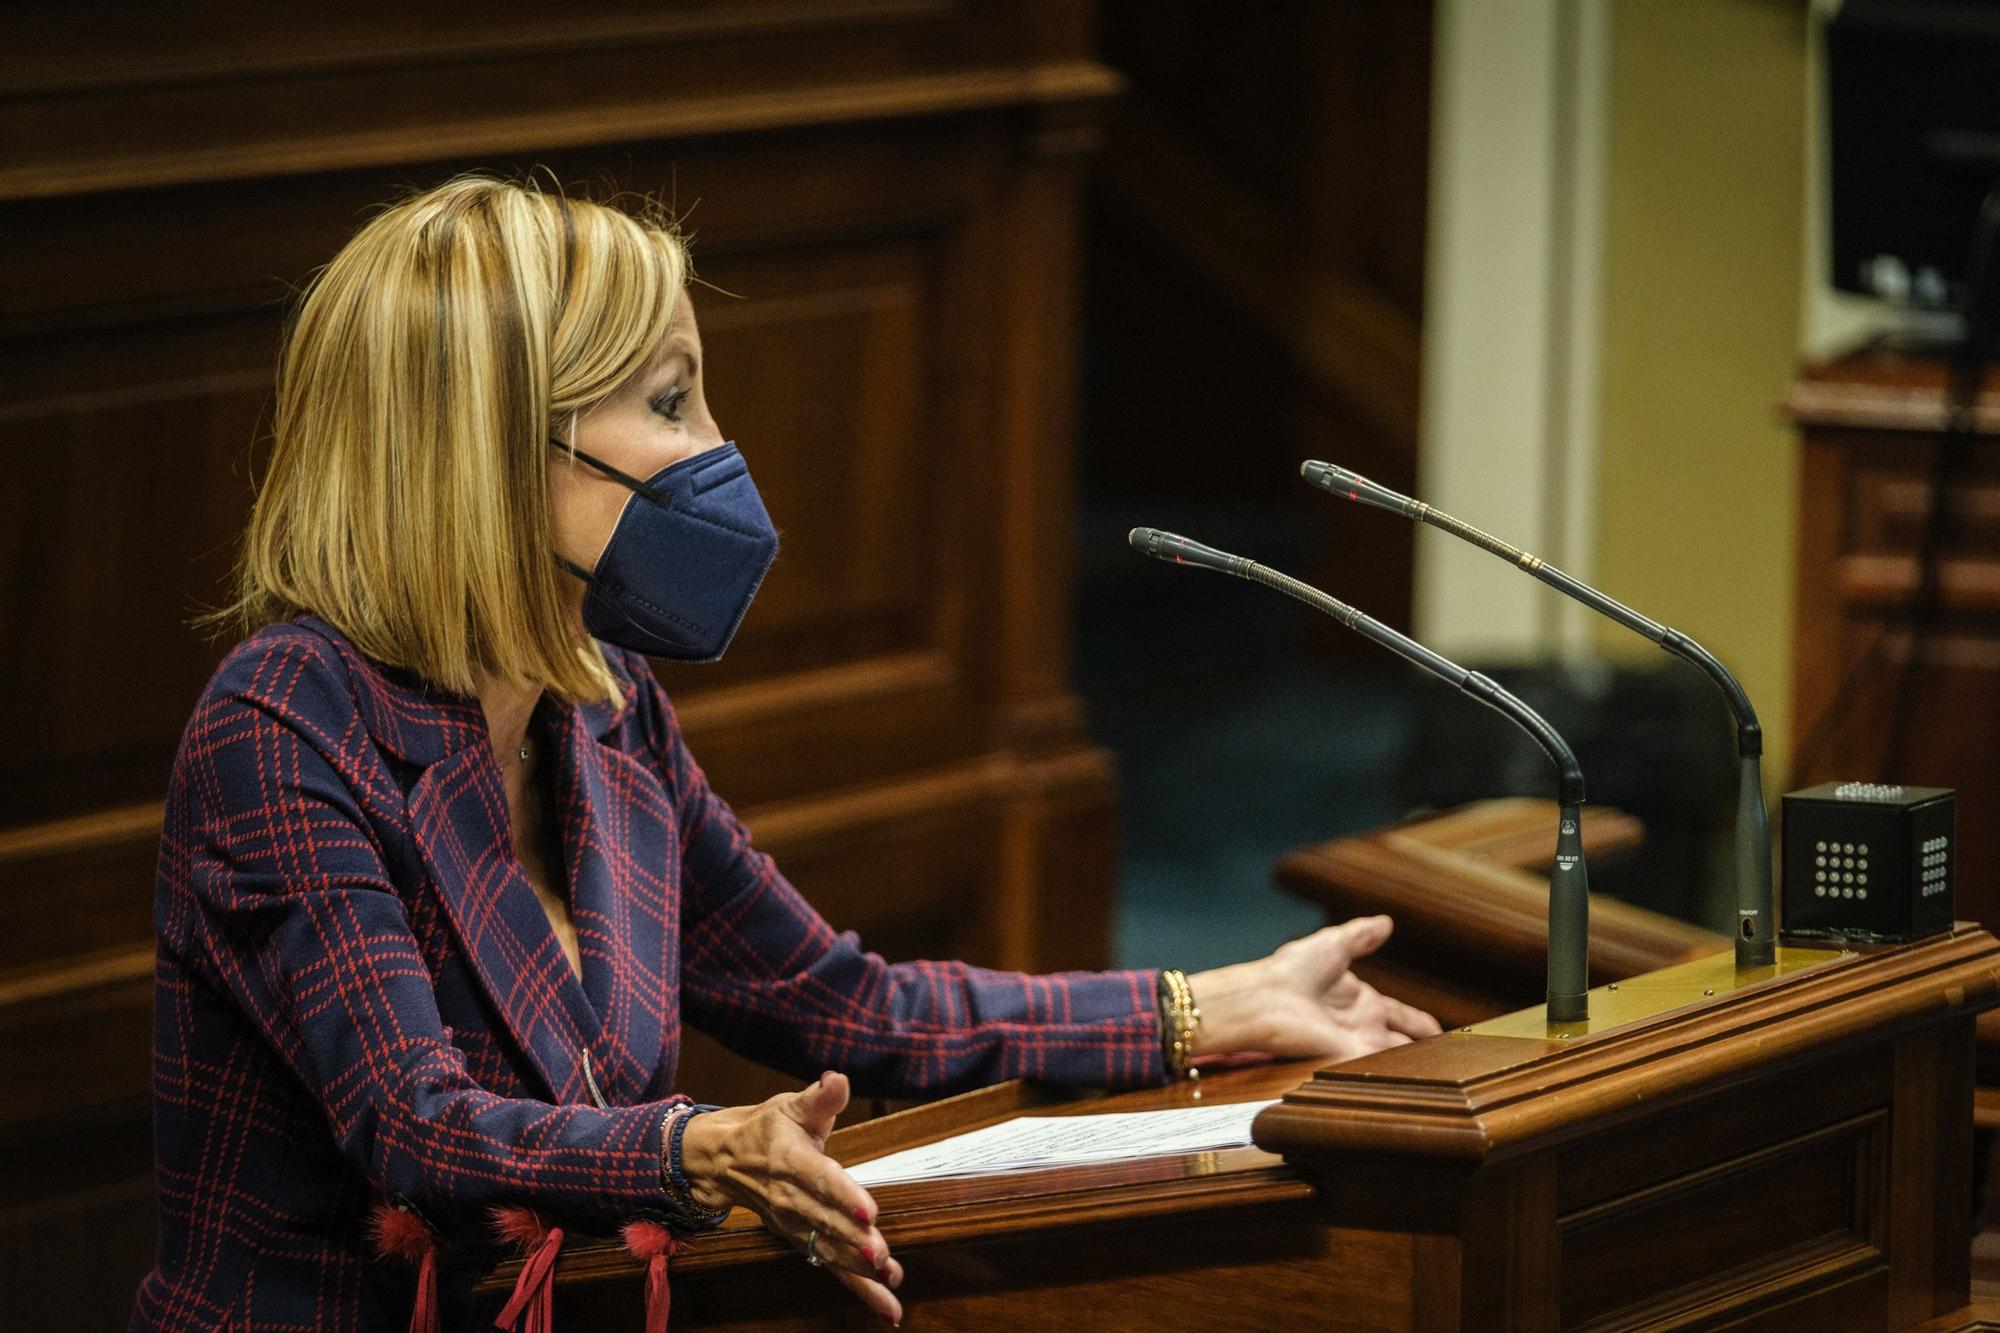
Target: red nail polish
861,1216
868,1253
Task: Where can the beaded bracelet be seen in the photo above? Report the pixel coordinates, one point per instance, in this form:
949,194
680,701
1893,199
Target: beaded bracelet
1178,1020
679,1191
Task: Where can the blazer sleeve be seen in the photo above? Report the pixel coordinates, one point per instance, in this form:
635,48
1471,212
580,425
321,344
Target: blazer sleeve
274,891
765,974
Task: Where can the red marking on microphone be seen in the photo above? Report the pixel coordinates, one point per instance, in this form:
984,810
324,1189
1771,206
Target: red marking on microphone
1354,495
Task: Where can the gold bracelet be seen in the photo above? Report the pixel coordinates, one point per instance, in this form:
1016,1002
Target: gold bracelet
1182,1018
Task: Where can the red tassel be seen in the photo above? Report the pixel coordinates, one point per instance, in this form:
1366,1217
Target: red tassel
401,1234
654,1245
424,1311
531,1309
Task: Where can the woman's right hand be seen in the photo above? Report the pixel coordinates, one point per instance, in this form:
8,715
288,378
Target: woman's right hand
771,1158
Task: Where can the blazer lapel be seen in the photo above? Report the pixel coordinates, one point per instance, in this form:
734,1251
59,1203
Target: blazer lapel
621,854
619,844
458,815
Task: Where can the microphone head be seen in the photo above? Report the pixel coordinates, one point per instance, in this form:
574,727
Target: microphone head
1339,481
1179,550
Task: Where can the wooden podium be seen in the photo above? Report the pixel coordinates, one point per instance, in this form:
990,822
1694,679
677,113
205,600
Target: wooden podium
1781,1149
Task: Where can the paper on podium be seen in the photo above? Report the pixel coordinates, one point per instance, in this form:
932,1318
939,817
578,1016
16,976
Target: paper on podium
1036,1143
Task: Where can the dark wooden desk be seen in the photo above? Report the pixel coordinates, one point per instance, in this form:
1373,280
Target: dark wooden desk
979,1253
1790,1151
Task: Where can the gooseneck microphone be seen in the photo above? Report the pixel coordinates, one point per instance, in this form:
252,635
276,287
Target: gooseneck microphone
1569,880
1756,932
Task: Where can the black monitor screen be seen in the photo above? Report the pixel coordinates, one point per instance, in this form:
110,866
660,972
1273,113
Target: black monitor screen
1913,100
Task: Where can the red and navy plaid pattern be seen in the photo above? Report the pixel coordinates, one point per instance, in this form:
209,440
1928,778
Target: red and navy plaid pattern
359,996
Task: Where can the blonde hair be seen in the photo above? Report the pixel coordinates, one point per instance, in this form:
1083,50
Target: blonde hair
424,373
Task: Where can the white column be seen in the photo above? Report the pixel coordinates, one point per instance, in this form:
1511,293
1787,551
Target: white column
1511,314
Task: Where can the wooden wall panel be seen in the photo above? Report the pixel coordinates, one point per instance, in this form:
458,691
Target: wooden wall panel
883,196
1264,186
114,523
1869,434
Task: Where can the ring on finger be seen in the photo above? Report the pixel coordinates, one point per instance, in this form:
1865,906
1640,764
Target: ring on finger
812,1249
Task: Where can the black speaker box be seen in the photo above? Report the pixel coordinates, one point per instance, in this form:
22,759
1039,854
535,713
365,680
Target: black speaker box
1868,861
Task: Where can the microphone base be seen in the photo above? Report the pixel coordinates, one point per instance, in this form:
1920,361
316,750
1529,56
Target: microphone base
1569,1008
1755,952
1638,999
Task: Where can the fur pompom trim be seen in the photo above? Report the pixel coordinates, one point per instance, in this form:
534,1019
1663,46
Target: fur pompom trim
645,1240
399,1233
653,1245
522,1228
531,1309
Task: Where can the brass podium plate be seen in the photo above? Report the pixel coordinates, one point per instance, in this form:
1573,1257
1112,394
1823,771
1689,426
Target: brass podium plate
1651,994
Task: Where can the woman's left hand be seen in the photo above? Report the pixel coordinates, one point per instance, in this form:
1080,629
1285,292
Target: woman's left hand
1303,1001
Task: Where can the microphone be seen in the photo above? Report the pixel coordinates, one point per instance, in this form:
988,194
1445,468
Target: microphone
1756,932
1569,880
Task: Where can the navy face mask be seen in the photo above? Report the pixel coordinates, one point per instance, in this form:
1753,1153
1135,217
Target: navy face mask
688,554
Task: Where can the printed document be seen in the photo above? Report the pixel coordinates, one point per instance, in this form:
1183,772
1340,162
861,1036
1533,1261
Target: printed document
1037,1143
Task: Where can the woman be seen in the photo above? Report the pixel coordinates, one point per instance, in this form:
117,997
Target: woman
439,880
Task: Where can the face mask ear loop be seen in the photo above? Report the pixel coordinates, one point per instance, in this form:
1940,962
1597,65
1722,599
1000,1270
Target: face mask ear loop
657,497
576,569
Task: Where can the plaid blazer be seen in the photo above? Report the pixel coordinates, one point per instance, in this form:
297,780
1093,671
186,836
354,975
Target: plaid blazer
359,997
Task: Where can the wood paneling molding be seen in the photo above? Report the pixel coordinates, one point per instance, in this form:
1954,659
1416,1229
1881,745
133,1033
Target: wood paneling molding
550,131
1859,404
773,697
173,57
56,838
